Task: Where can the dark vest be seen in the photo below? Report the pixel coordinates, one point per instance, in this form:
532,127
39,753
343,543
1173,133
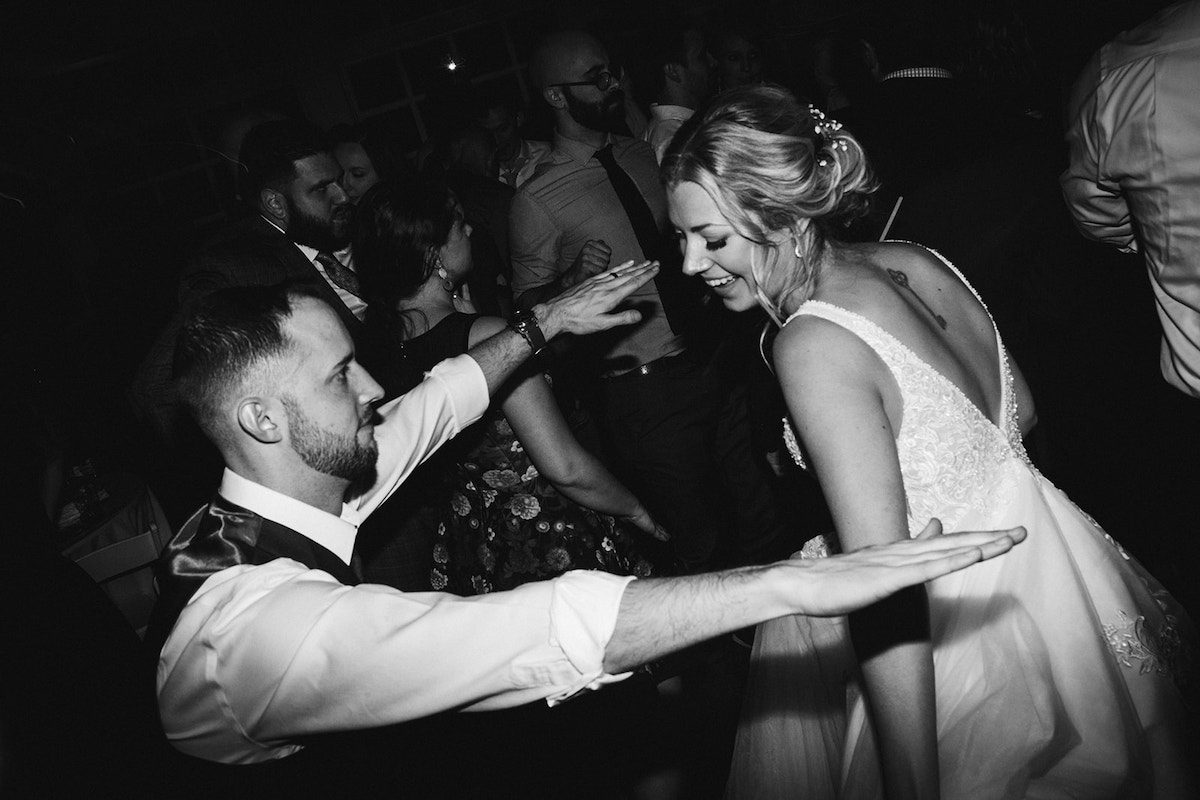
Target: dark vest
220,536
223,535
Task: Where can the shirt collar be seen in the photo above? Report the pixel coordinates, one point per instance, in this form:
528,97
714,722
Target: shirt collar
666,111
919,72
310,253
576,150
335,534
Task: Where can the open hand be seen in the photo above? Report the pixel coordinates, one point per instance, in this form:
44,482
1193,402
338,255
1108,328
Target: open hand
844,583
588,306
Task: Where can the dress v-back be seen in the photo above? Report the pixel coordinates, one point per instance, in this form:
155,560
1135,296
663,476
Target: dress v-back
1050,662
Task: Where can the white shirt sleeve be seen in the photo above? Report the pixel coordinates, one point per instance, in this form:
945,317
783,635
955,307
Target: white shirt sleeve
1093,195
264,654
452,396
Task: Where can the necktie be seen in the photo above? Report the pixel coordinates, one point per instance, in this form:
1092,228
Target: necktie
340,274
679,296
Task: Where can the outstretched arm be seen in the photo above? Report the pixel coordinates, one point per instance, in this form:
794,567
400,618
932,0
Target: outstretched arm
661,615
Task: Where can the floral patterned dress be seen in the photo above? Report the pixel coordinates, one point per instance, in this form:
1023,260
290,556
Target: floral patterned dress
504,524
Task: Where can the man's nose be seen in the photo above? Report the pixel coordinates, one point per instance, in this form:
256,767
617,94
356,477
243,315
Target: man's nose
369,390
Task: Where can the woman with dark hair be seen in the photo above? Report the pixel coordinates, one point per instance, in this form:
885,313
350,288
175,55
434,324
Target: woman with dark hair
367,156
1055,672
524,500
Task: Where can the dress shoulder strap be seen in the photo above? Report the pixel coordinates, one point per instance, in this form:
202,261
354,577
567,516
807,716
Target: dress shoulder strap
887,346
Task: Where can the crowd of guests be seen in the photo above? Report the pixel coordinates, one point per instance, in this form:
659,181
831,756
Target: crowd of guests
713,422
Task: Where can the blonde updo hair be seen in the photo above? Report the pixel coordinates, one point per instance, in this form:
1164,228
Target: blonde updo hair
769,164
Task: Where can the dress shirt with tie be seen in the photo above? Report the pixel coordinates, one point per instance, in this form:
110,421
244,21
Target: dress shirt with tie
357,306
570,201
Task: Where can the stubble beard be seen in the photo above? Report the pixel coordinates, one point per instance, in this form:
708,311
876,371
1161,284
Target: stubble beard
328,453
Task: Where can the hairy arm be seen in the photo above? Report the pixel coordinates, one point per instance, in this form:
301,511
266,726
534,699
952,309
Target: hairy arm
658,616
835,387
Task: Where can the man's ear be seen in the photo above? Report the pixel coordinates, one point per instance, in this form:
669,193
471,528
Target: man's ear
256,418
274,205
554,96
672,72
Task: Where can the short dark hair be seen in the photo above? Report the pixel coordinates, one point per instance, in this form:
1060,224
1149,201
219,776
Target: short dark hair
224,337
270,151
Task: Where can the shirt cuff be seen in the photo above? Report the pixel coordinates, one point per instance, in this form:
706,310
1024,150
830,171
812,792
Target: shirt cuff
583,614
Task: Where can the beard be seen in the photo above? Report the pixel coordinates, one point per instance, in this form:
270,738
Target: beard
607,114
326,235
328,453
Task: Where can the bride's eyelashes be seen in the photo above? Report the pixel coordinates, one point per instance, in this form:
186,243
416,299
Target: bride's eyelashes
717,245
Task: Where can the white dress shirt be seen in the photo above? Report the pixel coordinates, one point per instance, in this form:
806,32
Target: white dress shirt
357,306
665,120
264,654
1134,174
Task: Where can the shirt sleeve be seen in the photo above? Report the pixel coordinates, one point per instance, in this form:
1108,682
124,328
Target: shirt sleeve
534,242
262,655
1093,196
452,396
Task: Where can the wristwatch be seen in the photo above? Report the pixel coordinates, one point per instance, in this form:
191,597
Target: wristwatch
525,323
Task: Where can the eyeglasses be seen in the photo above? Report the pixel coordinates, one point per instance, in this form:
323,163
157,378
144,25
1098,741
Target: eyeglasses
605,79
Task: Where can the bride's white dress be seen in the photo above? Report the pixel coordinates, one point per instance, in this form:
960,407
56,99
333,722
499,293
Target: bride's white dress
1056,664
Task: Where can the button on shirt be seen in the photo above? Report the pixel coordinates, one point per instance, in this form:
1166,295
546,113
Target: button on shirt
569,201
1134,174
264,654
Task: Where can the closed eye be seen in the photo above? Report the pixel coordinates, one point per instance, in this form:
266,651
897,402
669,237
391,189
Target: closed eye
717,245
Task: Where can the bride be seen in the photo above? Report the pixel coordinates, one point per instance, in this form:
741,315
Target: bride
1054,672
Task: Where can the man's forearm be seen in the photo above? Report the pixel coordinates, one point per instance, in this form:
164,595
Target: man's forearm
659,616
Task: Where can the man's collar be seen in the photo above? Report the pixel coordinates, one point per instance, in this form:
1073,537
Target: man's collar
335,534
919,72
311,252
660,111
578,151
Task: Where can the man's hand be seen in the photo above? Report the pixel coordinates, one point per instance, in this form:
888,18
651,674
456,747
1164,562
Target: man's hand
592,260
588,307
827,587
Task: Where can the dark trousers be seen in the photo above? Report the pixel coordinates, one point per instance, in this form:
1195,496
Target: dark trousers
681,437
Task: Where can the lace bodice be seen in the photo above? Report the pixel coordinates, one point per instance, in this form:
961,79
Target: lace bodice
951,455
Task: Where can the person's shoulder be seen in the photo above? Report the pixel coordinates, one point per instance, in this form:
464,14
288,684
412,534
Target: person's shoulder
628,147
553,166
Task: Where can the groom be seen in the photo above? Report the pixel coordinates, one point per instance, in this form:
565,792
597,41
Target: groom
270,651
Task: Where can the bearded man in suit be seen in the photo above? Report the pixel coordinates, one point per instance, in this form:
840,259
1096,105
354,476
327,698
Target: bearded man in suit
296,227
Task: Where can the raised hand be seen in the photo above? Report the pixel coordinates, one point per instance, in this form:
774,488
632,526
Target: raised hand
844,583
592,260
588,306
